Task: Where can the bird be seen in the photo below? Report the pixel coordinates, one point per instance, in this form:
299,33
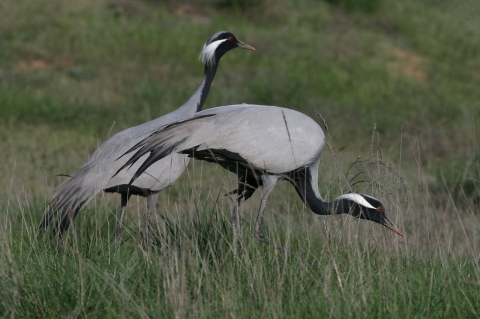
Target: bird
262,145
95,175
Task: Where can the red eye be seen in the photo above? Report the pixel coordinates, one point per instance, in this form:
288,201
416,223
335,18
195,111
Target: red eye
230,38
379,209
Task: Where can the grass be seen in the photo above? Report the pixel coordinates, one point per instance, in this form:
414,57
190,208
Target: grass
190,271
396,82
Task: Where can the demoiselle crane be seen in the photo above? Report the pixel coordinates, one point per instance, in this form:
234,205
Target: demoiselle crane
262,145
95,175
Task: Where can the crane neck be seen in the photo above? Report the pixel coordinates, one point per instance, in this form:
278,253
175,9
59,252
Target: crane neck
197,100
305,181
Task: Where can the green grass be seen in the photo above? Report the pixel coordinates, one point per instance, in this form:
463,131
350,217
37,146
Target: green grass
190,271
396,79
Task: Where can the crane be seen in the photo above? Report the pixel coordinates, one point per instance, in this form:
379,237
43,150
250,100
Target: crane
95,175
262,145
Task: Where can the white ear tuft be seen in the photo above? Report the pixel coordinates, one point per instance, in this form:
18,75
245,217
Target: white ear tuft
357,198
207,55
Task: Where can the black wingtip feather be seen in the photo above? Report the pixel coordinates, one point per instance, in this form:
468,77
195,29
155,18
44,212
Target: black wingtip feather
166,127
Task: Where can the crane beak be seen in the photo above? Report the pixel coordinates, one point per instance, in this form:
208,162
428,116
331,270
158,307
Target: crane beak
387,223
242,45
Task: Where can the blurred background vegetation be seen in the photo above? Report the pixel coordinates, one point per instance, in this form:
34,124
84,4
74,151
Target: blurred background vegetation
408,69
400,78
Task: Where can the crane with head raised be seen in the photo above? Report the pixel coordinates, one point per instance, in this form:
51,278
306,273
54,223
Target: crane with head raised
95,175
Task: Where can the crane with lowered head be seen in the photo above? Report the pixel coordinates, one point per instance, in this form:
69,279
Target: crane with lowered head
262,145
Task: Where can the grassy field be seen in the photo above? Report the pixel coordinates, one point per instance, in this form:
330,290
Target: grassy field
396,81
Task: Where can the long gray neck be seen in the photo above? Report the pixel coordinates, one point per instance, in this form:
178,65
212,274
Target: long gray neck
196,101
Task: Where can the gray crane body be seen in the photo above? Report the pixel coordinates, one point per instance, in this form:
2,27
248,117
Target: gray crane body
267,143
92,177
267,139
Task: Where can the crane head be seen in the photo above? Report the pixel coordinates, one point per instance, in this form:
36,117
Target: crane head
365,207
219,44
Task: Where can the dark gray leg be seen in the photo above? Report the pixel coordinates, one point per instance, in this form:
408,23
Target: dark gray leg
118,231
269,183
151,201
235,222
247,184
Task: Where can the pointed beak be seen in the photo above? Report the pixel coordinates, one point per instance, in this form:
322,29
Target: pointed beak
242,45
387,223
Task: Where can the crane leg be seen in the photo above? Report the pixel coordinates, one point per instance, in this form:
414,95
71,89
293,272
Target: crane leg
247,184
118,231
269,183
151,201
235,222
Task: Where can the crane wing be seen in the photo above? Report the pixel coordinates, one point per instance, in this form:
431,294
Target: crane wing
162,142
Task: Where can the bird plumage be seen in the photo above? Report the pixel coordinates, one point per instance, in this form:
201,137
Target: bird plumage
95,175
263,145
271,141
